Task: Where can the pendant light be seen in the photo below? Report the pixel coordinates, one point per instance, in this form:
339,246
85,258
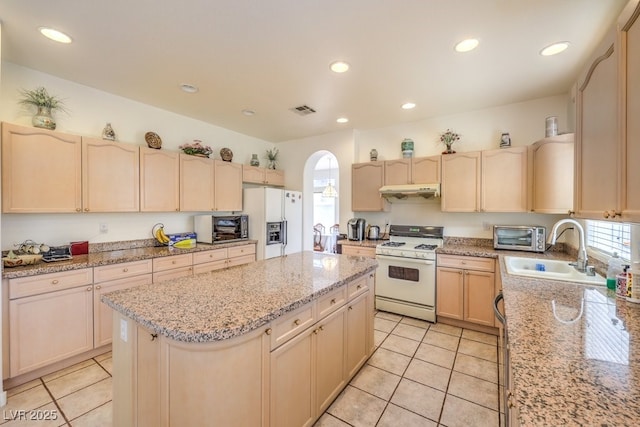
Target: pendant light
330,191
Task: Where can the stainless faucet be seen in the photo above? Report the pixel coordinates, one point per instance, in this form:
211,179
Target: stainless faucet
581,263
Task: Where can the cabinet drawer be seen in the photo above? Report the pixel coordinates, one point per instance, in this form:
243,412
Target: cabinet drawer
357,287
467,262
291,324
331,302
240,260
358,250
209,266
235,251
208,256
176,273
120,271
170,262
26,286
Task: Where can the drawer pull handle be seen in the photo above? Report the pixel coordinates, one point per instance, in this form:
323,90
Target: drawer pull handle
315,331
154,336
460,272
333,301
98,287
296,322
125,270
173,262
359,287
268,331
321,327
89,289
55,282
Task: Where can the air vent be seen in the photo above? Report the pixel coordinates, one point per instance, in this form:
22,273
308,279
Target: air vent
303,110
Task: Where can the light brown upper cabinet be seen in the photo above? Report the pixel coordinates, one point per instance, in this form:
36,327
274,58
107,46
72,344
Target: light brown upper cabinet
504,180
366,180
629,25
258,175
110,176
196,183
425,170
485,181
461,182
227,186
159,180
597,134
417,170
551,161
41,170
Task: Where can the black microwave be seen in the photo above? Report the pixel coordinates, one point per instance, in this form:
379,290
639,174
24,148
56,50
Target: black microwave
221,229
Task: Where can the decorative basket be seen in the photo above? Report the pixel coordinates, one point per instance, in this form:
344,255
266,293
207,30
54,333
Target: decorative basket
21,260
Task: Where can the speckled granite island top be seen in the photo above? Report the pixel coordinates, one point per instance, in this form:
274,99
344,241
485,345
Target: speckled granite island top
574,351
223,304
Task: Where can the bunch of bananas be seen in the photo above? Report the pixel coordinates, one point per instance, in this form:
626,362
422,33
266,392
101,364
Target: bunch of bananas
159,234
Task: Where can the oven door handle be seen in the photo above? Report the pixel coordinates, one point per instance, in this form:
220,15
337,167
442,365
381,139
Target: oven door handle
409,260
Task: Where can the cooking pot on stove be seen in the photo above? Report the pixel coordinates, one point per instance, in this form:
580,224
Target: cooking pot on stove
373,232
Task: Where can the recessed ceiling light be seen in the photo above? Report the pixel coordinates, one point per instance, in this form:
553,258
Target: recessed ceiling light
467,45
408,105
554,49
186,87
248,113
55,35
339,67
342,120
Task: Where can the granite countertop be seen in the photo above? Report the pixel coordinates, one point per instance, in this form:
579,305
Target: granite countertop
223,304
574,352
110,257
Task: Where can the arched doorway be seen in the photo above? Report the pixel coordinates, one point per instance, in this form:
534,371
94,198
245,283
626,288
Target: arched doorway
326,190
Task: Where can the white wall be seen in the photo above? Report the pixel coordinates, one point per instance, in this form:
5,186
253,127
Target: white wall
89,111
480,130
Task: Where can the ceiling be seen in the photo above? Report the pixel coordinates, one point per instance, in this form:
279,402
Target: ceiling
270,56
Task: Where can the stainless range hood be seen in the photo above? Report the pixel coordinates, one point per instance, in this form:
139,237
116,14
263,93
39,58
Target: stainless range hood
403,191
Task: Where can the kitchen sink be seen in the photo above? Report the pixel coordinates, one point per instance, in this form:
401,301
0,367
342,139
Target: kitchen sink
550,269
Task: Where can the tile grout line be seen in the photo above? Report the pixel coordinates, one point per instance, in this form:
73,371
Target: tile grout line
55,401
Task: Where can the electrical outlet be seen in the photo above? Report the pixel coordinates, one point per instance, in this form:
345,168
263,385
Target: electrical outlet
486,225
104,227
123,330
386,222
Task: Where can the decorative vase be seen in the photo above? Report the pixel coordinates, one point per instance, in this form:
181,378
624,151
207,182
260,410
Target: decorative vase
272,164
254,160
373,155
108,133
43,119
407,145
448,150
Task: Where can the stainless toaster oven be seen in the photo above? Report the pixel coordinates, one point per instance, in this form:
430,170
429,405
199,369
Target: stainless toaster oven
530,238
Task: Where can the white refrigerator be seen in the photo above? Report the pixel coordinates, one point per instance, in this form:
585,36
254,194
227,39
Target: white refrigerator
272,205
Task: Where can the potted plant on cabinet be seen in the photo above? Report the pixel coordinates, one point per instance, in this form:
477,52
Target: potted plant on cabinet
45,103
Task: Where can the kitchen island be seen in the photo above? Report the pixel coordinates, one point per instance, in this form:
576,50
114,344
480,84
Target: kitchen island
268,343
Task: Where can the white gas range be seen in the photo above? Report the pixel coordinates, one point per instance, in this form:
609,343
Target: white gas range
406,275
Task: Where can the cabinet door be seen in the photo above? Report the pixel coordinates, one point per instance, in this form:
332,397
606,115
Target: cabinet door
292,384
253,174
397,172
227,186
552,174
460,182
597,134
449,292
425,170
103,314
479,292
41,170
196,183
357,349
358,250
176,273
504,180
631,106
274,177
110,176
330,376
47,328
366,180
159,180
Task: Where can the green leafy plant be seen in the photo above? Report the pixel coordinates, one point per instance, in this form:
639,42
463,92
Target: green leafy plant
272,154
449,137
39,97
196,148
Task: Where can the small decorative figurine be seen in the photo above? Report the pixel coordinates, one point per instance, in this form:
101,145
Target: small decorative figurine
108,133
254,160
373,155
505,140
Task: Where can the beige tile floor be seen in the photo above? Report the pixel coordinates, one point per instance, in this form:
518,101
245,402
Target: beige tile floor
421,374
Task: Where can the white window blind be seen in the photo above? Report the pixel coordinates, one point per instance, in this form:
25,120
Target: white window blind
610,237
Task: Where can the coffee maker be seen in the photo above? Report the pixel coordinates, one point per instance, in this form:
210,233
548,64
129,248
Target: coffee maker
356,228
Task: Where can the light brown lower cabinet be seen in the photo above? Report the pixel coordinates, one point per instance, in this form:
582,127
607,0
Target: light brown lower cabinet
358,250
285,373
465,289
